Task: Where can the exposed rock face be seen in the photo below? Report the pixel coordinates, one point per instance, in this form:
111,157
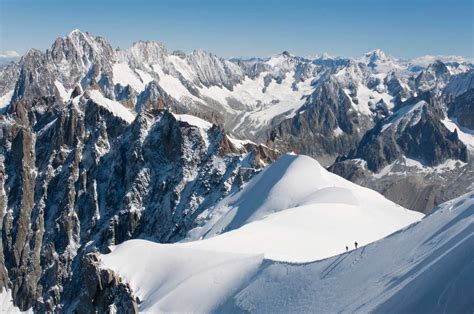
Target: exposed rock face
35,78
143,52
459,84
8,77
79,55
462,109
76,178
410,186
412,157
103,291
212,70
326,124
435,76
274,99
416,133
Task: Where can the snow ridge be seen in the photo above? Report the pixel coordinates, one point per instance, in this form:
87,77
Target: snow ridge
313,222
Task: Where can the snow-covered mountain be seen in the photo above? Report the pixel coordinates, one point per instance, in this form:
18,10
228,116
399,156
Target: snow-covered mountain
293,211
295,187
411,270
102,145
248,97
421,155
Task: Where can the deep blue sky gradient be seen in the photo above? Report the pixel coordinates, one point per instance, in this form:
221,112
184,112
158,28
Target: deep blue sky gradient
250,28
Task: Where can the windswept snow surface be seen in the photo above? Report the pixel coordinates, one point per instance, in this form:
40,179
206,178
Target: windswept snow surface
297,194
425,268
169,278
294,211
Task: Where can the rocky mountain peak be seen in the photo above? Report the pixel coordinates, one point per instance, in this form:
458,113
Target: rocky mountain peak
438,68
112,145
380,61
434,77
213,70
148,52
31,54
376,54
82,46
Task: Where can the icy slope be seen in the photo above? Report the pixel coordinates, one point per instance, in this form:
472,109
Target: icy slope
323,200
426,268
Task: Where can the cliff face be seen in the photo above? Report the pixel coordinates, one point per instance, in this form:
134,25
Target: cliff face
415,131
77,178
326,125
462,109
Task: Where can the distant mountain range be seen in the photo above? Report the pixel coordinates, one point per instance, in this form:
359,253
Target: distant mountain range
102,145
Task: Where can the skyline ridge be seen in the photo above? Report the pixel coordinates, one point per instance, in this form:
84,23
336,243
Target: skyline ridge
251,28
13,54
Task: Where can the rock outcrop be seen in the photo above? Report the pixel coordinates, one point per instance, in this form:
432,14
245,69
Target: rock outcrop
77,178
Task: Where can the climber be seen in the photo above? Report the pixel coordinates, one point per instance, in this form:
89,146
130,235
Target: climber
356,244
347,248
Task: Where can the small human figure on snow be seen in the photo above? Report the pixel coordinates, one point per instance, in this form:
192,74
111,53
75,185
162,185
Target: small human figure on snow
347,248
356,244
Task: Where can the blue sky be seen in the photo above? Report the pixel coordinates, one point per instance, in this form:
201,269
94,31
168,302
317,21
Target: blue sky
250,28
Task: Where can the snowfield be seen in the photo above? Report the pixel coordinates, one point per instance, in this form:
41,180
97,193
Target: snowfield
297,211
170,278
116,108
425,268
294,211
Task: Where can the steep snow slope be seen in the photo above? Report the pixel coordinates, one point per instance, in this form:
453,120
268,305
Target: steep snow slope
425,268
192,120
304,213
116,108
406,116
169,278
301,184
